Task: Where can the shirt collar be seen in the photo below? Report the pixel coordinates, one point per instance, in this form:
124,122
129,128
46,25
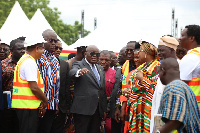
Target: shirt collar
89,63
47,52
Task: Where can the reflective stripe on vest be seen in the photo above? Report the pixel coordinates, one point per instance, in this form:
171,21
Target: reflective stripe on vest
22,96
125,71
195,82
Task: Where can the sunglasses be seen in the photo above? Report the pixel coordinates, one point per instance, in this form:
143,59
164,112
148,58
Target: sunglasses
51,40
58,48
93,53
129,50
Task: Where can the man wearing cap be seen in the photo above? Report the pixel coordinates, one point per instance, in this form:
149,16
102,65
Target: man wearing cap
166,48
190,63
28,91
50,71
9,116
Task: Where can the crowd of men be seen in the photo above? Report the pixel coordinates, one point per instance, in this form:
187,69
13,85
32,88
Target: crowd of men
103,92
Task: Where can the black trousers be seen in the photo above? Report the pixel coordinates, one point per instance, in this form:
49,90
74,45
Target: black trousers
46,122
59,123
87,123
116,127
28,120
8,121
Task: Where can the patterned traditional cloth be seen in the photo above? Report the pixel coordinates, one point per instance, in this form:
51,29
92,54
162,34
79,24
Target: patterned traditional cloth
179,103
49,68
7,64
70,119
140,100
1,92
149,49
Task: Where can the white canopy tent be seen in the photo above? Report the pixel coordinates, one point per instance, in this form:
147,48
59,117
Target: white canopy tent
39,21
121,30
15,25
112,40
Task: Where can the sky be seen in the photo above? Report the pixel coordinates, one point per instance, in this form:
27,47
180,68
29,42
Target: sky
130,17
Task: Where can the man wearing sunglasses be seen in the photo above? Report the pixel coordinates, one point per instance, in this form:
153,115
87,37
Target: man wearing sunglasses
50,71
64,93
90,103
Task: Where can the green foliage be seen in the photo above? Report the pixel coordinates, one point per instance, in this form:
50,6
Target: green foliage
69,33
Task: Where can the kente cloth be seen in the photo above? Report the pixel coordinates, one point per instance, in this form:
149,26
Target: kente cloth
140,100
179,103
150,49
49,68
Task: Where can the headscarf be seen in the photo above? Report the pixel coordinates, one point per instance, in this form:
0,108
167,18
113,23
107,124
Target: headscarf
149,48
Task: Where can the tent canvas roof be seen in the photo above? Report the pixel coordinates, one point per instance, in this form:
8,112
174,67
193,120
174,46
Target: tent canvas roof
39,21
15,25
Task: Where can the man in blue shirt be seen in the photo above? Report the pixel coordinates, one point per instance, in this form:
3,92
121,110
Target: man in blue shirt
178,105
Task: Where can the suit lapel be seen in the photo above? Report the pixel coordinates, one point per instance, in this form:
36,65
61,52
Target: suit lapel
91,72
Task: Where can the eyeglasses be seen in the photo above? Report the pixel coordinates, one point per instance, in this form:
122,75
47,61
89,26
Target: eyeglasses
4,49
58,48
129,50
93,53
51,40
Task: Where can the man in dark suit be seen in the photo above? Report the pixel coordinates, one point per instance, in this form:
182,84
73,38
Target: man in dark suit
89,103
64,93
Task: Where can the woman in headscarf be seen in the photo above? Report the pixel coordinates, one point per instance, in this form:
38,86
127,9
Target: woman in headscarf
143,82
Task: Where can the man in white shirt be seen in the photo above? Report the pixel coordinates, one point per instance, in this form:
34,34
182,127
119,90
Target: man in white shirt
28,92
166,48
190,63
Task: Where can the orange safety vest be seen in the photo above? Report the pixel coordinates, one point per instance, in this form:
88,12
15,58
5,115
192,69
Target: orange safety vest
22,96
195,82
125,72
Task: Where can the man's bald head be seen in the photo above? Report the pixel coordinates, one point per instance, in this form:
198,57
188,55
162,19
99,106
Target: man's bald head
47,34
91,47
169,70
122,56
92,54
51,39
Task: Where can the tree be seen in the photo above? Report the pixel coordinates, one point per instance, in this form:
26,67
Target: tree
69,33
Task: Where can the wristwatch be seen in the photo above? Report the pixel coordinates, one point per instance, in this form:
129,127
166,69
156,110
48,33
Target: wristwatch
157,131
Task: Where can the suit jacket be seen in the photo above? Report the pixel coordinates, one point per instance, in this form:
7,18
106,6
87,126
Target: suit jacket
87,93
112,102
64,91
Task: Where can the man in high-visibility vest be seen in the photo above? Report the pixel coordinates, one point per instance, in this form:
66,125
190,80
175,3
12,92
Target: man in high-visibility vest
190,63
127,67
28,91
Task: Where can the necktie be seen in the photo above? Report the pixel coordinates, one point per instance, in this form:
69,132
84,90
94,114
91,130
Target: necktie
96,74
